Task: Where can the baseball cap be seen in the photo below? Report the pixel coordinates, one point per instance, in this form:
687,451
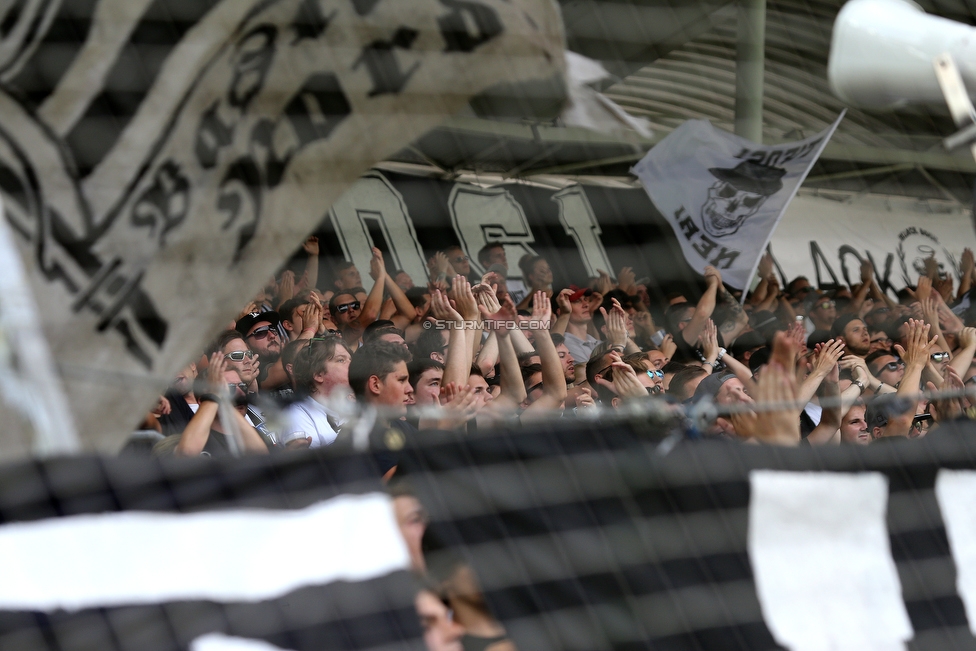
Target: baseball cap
247,321
578,293
709,387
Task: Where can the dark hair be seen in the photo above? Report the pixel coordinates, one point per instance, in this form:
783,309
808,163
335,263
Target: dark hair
680,381
529,371
291,350
476,371
312,359
483,253
429,341
335,300
379,358
672,316
416,295
224,338
591,369
791,287
418,367
674,367
870,359
527,264
837,329
378,328
287,309
557,338
343,264
524,357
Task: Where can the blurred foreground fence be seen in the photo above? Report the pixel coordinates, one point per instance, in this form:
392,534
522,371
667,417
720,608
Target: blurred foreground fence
581,537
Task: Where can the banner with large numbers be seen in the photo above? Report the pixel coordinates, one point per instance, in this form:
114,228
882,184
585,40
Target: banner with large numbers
159,160
581,229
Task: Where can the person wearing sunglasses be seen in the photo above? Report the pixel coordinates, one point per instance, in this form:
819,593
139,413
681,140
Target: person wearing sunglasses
351,314
888,368
460,262
207,432
260,332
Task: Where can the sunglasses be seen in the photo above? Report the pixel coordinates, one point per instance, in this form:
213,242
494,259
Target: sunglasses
345,307
533,388
261,333
826,305
940,357
886,341
237,385
654,373
239,355
893,366
922,422
460,258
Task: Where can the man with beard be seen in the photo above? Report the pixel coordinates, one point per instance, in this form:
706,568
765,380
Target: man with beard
854,332
260,333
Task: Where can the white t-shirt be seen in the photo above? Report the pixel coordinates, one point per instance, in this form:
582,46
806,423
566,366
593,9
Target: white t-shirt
310,419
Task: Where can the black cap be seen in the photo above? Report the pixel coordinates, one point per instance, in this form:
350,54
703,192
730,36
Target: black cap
248,320
750,176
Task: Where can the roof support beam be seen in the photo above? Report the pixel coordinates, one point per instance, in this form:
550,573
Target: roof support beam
750,61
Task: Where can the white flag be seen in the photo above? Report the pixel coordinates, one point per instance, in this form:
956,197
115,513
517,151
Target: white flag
724,195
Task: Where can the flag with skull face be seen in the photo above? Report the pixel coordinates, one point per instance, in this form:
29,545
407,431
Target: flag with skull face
724,195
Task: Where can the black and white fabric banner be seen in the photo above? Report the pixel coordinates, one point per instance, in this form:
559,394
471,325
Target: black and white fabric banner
724,195
291,552
580,536
594,538
159,159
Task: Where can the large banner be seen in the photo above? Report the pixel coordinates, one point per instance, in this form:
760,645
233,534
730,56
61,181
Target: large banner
581,229
724,195
159,160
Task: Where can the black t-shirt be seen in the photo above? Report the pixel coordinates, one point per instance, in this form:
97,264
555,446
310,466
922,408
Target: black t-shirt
217,445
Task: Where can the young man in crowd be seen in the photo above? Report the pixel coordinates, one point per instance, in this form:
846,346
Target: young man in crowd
321,374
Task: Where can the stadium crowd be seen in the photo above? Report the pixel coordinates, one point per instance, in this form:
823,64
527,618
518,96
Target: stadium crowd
494,350
305,362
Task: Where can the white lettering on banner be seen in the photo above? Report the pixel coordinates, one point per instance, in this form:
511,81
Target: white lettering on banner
481,215
374,202
576,216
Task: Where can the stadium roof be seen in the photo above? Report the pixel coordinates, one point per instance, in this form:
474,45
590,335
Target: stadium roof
674,60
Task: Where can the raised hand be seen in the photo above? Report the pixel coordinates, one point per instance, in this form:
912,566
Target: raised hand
713,276
709,341
464,298
923,291
827,357
604,283
441,308
668,347
867,272
215,375
918,344
625,383
616,320
626,280
766,267
311,245
500,319
541,312
377,268
562,301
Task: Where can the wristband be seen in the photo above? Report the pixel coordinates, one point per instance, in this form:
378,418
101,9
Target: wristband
859,385
721,354
207,397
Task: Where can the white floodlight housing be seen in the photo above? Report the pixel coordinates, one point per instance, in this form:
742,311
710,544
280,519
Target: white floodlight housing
882,51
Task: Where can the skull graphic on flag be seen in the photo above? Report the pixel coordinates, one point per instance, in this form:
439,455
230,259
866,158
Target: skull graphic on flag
737,194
